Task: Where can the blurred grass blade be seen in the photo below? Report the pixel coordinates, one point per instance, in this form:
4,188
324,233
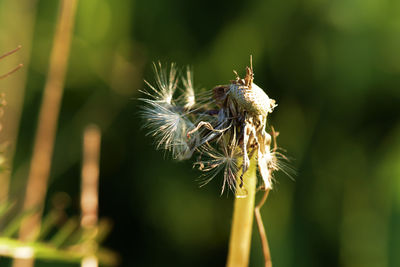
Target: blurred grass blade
103,229
5,207
48,223
17,23
13,226
65,232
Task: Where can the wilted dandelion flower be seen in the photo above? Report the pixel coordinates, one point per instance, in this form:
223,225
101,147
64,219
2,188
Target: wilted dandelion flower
225,126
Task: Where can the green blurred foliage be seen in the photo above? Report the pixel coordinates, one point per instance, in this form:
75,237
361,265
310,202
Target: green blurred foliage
332,66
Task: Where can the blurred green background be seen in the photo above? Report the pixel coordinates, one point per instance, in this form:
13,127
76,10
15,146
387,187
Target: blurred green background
333,68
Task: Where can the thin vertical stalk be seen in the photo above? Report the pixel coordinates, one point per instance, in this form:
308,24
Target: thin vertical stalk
48,117
261,230
89,186
242,224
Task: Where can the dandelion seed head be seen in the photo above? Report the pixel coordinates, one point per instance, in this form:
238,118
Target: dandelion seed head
224,126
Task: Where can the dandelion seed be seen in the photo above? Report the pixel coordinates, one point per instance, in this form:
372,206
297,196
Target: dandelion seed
166,83
189,90
213,161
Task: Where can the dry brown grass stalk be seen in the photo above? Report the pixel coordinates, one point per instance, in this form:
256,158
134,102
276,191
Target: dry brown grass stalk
261,230
90,184
48,117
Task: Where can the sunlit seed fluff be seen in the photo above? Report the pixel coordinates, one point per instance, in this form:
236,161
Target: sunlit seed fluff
264,162
166,121
189,95
166,83
212,162
168,127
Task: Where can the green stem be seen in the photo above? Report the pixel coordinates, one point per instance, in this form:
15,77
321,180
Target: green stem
242,224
